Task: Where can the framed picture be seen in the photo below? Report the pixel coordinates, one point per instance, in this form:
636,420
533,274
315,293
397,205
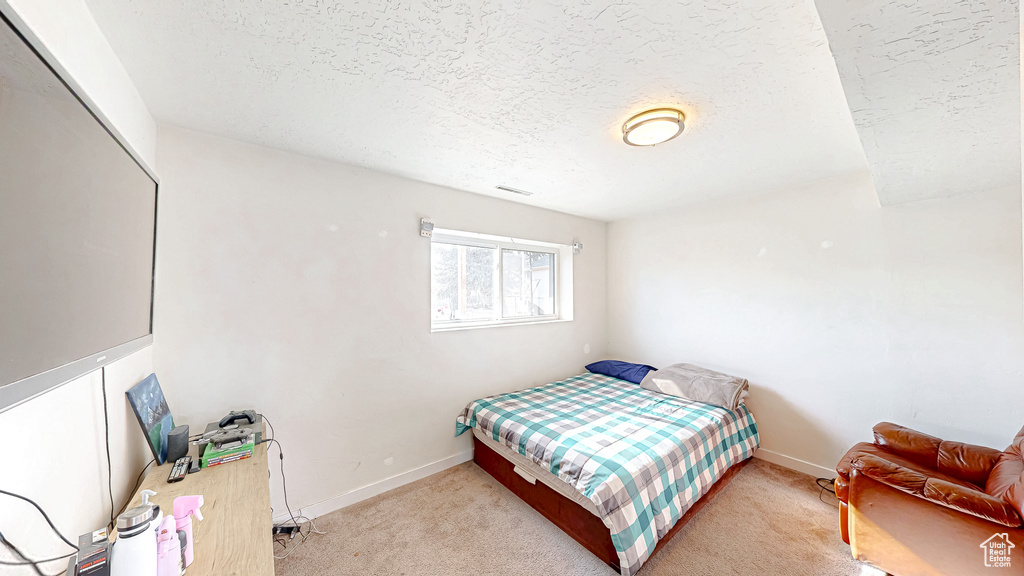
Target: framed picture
150,406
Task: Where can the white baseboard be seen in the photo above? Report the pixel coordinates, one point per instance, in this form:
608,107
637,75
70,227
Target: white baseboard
794,464
360,494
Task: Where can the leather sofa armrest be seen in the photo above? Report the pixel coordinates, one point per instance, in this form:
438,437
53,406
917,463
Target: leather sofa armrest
973,502
891,474
941,492
911,444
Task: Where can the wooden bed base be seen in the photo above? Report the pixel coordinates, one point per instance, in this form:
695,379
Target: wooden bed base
572,518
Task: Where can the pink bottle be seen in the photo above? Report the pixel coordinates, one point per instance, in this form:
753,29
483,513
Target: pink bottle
168,549
184,508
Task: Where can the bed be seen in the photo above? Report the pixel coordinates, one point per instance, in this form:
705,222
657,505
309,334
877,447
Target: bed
617,467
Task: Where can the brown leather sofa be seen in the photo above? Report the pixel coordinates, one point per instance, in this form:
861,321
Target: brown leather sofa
914,505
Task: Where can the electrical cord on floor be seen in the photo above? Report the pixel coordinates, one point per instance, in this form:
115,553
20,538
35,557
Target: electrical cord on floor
106,429
284,482
826,485
284,544
33,563
311,527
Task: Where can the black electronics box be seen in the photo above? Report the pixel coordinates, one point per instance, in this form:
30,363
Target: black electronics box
93,558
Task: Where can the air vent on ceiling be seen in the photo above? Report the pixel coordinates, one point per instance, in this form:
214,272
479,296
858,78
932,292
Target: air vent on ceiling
514,190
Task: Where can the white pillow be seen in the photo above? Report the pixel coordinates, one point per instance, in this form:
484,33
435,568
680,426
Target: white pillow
697,384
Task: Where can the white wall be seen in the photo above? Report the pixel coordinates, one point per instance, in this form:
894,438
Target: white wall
839,313
54,452
300,287
54,448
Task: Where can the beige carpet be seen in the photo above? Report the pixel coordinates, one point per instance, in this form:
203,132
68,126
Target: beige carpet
768,521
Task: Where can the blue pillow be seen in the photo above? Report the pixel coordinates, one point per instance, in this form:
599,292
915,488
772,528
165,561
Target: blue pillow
622,370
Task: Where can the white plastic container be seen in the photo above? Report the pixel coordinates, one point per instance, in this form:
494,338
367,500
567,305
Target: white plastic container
134,551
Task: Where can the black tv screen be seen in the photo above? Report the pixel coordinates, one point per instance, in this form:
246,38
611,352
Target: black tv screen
77,227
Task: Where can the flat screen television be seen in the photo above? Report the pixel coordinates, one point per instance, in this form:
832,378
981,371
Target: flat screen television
77,227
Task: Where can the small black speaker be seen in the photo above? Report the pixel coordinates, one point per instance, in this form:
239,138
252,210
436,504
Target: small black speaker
177,443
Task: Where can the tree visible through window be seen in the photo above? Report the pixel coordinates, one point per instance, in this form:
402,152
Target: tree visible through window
528,283
463,281
477,283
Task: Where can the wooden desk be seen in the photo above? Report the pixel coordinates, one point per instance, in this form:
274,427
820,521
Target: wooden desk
234,539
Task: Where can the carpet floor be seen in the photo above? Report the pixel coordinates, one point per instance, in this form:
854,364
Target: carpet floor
768,521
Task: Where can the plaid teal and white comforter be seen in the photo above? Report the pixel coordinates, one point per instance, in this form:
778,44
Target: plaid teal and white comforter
643,458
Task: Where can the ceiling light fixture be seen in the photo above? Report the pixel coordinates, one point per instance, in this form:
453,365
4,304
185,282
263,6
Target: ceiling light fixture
653,127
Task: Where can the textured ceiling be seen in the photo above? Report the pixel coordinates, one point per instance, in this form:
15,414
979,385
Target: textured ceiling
934,89
524,93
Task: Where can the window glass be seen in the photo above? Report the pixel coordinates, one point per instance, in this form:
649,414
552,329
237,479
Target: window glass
484,281
463,282
528,283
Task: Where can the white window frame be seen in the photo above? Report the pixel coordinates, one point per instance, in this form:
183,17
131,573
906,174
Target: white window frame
561,261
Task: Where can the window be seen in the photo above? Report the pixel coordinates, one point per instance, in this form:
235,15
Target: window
480,280
527,283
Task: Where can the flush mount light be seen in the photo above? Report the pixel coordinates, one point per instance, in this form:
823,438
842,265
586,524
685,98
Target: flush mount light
653,127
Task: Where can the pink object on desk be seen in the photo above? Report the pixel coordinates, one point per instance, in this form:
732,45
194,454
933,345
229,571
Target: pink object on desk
184,508
168,549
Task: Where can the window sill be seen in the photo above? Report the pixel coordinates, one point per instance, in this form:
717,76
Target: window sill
457,328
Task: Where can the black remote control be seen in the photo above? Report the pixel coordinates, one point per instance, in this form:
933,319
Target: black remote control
179,469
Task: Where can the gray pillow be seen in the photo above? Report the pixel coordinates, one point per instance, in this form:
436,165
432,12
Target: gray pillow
697,384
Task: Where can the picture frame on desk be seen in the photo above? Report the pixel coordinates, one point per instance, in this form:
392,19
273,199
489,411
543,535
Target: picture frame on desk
154,415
